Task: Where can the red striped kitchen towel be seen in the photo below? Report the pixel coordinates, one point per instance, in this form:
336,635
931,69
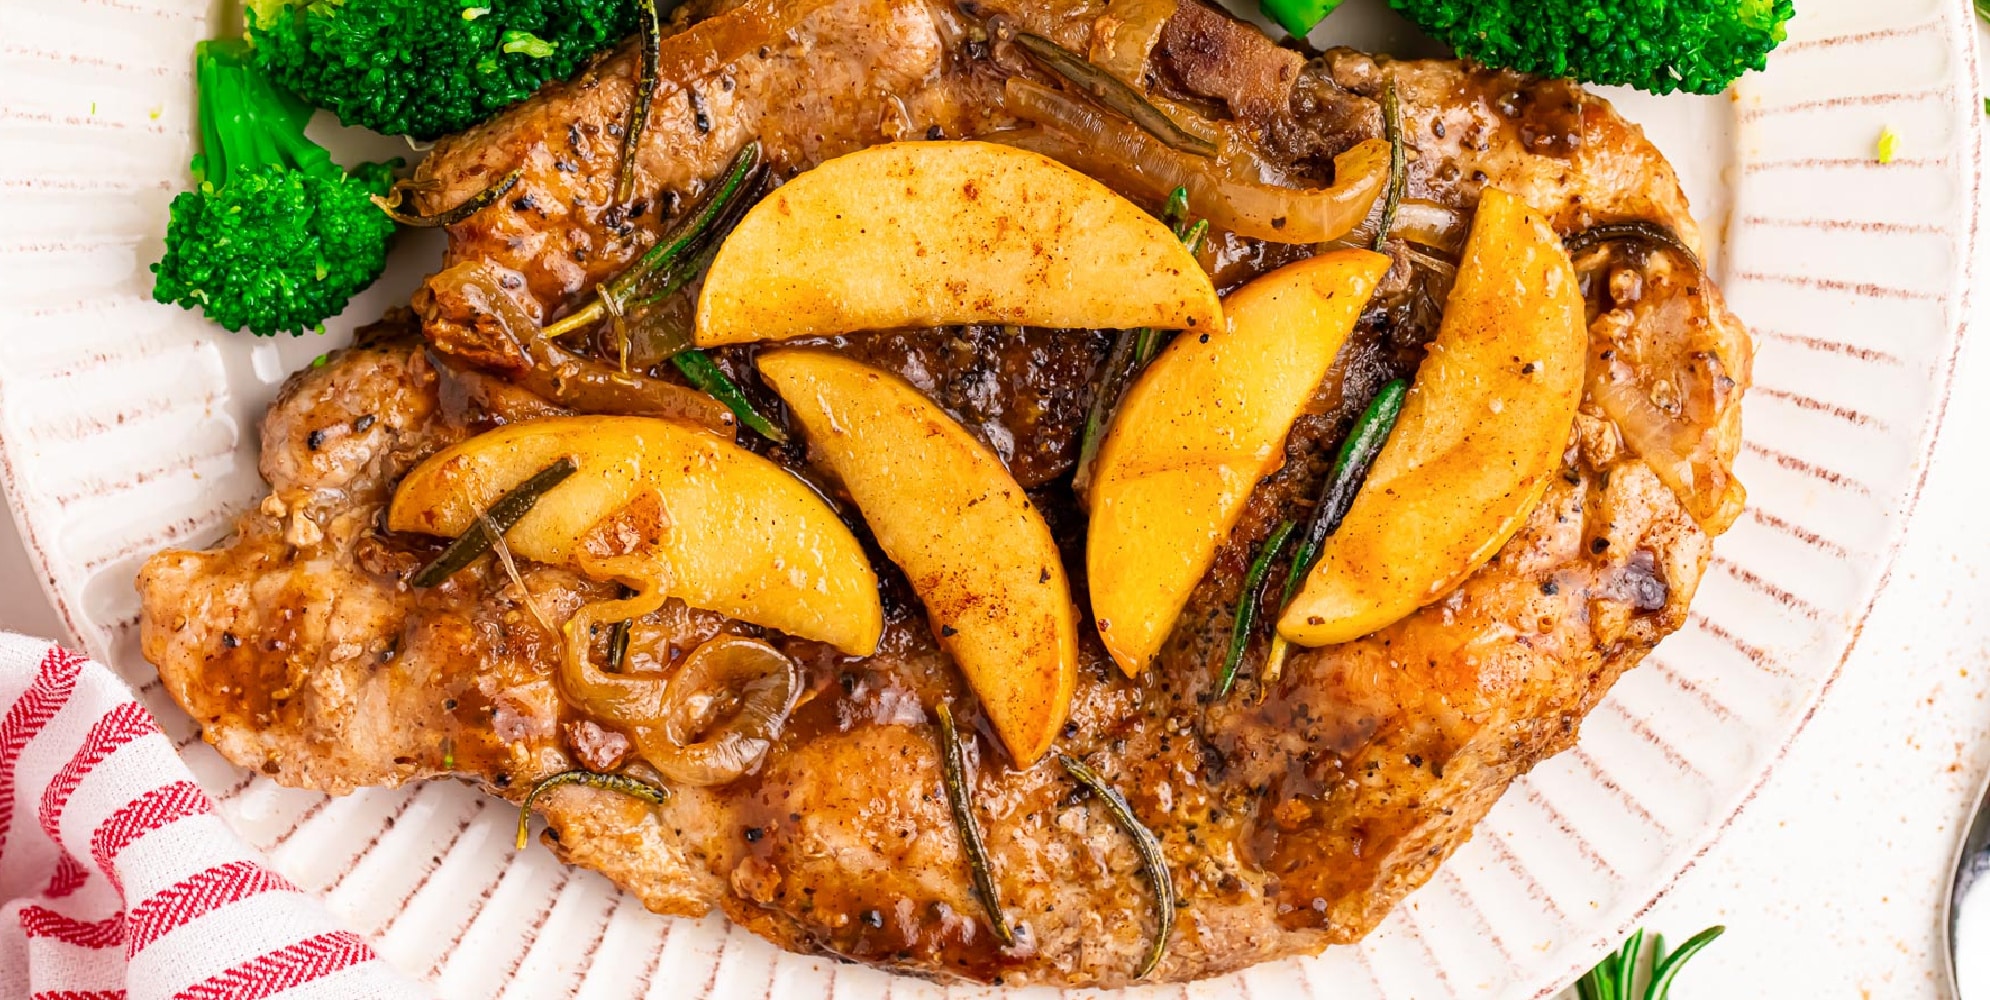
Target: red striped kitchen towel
117,879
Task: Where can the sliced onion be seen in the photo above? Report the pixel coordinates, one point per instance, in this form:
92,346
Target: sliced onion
687,746
1119,153
1124,53
628,699
1683,457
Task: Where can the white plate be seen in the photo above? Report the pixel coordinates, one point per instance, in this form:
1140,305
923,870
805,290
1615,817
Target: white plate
127,426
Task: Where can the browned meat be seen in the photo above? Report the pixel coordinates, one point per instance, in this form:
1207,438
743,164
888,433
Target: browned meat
1289,823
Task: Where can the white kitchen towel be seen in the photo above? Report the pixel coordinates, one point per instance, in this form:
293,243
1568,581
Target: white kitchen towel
117,879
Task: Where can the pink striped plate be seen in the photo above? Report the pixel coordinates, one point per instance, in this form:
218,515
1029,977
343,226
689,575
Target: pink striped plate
126,426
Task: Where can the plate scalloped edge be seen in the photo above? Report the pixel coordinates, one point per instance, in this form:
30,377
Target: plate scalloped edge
125,427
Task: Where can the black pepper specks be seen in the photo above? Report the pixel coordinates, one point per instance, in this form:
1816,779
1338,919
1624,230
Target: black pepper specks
872,918
701,116
1599,545
753,834
948,631
315,439
362,422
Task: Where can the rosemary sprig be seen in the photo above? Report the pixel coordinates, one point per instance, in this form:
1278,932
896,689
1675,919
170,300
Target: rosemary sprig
701,371
1350,469
618,645
492,524
960,798
1115,95
593,779
1615,977
651,23
1247,604
683,240
1152,861
1636,231
1392,127
391,204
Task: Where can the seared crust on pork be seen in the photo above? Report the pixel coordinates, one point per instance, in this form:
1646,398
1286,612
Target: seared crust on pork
1290,822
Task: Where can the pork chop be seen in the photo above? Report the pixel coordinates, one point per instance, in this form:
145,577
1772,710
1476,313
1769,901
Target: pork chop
1290,820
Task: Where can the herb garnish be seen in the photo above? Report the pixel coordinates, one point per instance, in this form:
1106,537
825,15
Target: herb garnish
391,204
651,24
660,263
1152,861
504,513
631,298
1247,604
960,798
1392,128
1615,977
701,371
593,779
1350,470
1652,234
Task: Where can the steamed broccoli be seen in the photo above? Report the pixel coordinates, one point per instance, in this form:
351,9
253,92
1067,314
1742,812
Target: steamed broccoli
427,68
1657,45
274,236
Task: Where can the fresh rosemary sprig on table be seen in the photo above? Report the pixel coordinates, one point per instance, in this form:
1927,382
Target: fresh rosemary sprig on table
1616,977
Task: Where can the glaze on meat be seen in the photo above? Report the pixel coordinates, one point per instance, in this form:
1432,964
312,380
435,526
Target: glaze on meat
1291,822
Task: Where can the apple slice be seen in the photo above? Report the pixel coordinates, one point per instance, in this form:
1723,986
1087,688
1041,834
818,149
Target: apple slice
918,234
1194,435
944,509
740,536
1480,435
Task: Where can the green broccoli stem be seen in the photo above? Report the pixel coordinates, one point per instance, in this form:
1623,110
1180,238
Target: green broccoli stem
1298,17
246,122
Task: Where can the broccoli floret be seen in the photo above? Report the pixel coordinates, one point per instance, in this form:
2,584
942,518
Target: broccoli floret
274,235
1656,45
428,68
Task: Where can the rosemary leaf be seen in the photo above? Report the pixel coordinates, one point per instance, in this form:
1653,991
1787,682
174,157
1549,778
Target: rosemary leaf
702,372
682,240
1669,966
1350,469
1247,604
1392,125
1652,234
1152,861
593,779
960,798
651,24
618,645
391,204
478,539
1627,963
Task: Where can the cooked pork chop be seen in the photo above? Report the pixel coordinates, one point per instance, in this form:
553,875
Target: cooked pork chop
1293,815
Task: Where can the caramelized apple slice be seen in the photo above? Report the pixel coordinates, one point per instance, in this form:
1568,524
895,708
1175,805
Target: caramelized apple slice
939,233
1203,424
975,549
738,535
1481,433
